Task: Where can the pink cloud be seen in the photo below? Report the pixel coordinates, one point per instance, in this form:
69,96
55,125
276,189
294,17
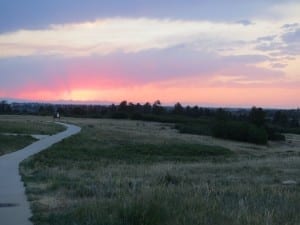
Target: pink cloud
190,77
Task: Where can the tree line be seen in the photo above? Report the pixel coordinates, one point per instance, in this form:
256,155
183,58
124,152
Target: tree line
255,125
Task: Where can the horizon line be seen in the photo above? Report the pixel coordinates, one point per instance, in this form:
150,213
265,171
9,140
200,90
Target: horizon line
168,104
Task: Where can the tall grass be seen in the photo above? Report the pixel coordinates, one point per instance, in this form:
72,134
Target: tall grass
126,172
13,143
28,125
24,126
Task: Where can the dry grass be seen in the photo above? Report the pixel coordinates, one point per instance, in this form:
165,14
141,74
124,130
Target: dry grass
22,127
28,125
83,181
12,143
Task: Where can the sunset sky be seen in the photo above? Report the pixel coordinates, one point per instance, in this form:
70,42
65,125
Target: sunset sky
228,53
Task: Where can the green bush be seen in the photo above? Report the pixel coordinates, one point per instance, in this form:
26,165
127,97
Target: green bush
274,134
119,115
292,130
240,131
194,128
257,135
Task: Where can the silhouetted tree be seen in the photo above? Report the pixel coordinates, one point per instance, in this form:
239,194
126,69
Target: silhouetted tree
195,111
178,109
138,108
122,106
5,107
112,108
131,107
78,111
157,108
257,116
147,108
188,111
280,118
221,114
294,123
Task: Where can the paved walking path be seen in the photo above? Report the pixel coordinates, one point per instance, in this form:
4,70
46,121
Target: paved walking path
14,207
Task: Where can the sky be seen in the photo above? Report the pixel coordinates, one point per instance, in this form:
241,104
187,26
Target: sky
229,53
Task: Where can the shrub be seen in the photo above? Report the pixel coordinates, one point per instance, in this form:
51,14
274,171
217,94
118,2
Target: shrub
240,131
257,135
274,134
119,115
193,128
136,116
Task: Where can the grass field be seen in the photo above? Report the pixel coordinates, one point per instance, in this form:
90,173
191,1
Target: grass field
127,172
28,125
21,127
13,143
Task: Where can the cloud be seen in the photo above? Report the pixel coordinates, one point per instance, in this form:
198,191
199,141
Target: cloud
65,76
246,59
285,45
282,10
290,26
90,53
270,46
33,14
292,37
266,38
291,40
279,65
106,36
245,22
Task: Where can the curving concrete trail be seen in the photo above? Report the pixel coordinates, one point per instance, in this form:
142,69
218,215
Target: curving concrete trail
14,207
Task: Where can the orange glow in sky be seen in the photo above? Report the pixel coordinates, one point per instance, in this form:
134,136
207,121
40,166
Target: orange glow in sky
197,61
209,96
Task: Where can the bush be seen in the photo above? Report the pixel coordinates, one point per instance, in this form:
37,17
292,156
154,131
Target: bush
240,131
274,134
119,115
257,135
194,128
292,130
136,116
